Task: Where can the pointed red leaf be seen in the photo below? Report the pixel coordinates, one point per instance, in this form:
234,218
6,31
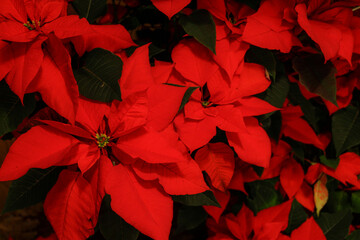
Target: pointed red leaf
305,196
150,146
136,75
90,114
265,28
223,199
164,103
241,226
69,207
308,230
278,214
40,147
28,57
253,106
128,115
140,203
194,61
258,83
291,177
248,143
67,27
170,7
217,160
193,133
183,178
55,80
347,170
109,37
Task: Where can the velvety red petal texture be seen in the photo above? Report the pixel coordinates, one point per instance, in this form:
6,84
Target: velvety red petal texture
136,75
265,29
164,104
305,196
247,143
69,207
109,37
276,217
253,106
291,177
195,133
55,80
28,58
14,10
223,199
241,225
140,203
183,178
128,115
40,147
347,170
217,160
150,146
90,114
170,7
67,27
193,61
258,83
308,230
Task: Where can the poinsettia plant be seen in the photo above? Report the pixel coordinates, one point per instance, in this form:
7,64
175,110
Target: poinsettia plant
187,119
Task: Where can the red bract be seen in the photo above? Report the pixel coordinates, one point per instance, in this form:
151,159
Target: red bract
42,63
170,7
103,137
223,101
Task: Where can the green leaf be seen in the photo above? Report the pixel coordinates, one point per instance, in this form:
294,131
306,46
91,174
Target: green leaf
186,97
278,90
346,129
200,25
263,57
206,198
296,217
189,218
335,225
262,194
317,77
90,9
31,188
355,235
98,77
338,201
297,148
333,163
355,201
271,122
112,226
12,111
307,108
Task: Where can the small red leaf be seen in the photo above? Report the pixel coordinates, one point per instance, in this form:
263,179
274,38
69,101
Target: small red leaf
308,230
217,160
170,7
291,177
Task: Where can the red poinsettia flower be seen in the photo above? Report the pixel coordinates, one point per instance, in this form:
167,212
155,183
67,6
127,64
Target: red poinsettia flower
267,224
36,32
222,102
117,154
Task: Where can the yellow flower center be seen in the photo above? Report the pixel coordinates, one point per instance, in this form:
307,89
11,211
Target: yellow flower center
102,139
